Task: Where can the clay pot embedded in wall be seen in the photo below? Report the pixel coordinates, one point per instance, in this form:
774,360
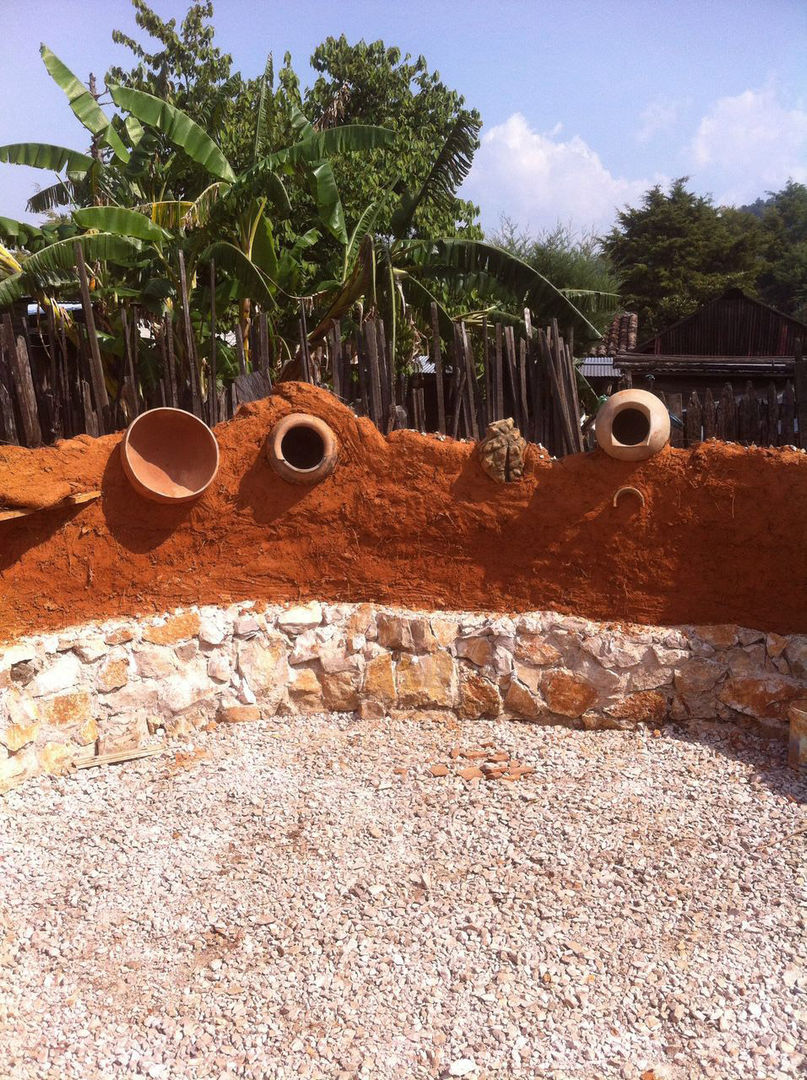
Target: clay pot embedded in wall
169,456
302,449
632,425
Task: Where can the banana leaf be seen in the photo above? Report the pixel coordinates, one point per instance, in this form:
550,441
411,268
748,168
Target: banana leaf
176,126
120,222
83,104
45,156
251,282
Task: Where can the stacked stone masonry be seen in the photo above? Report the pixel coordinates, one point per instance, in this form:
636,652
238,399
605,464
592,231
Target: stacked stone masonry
88,691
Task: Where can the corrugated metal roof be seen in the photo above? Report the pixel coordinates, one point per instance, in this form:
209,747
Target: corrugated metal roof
599,367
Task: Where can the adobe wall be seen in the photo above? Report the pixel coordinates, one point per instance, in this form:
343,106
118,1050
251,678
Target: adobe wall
70,696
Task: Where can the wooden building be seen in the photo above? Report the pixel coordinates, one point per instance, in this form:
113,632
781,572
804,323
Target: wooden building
731,339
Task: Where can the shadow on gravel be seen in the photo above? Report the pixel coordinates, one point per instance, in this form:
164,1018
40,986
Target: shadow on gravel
767,757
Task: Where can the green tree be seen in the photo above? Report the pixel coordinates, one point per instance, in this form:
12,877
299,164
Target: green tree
576,265
783,218
373,84
678,250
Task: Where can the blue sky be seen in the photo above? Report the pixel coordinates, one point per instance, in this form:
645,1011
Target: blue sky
585,105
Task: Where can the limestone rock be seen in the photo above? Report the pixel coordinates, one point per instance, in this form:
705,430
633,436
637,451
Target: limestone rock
55,758
339,692
478,697
796,656
127,733
721,636
379,680
776,644
61,675
501,452
647,707
238,714
219,668
120,636
15,736
90,649
533,649
264,665
568,694
211,633
155,662
66,710
112,676
295,620
426,680
698,675
404,632
306,690
763,698
479,650
173,630
520,702
15,769
246,626
87,733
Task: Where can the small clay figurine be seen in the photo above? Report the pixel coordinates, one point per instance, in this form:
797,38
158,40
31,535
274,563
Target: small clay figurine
501,452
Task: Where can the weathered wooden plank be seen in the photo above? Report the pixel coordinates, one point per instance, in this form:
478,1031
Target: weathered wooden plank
305,355
727,414
190,343
800,389
694,419
8,425
263,339
371,352
512,374
22,381
335,352
772,417
96,367
242,353
437,357
251,387
709,415
471,387
383,374
675,405
498,381
91,425
213,390
787,434
748,415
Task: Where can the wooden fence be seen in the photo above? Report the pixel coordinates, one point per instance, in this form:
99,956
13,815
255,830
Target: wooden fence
53,384
763,418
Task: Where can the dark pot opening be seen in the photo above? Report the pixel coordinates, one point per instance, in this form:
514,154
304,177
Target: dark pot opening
302,447
630,427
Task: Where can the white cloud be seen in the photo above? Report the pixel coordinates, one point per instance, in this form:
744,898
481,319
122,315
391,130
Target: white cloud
658,118
751,143
538,181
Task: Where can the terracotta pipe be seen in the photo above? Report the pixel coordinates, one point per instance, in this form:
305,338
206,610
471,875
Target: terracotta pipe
302,449
632,425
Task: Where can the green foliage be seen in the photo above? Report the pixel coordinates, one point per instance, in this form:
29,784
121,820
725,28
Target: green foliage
679,250
576,265
783,218
436,135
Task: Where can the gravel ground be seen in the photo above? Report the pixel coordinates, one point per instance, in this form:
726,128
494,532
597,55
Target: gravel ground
303,898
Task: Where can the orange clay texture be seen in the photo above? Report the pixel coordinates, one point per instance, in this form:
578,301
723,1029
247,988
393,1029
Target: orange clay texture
410,520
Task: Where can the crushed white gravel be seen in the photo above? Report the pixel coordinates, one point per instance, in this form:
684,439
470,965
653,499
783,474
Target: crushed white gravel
276,900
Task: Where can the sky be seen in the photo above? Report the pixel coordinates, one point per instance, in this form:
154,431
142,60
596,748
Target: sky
585,105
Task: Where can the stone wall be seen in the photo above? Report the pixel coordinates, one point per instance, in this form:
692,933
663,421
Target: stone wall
100,688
